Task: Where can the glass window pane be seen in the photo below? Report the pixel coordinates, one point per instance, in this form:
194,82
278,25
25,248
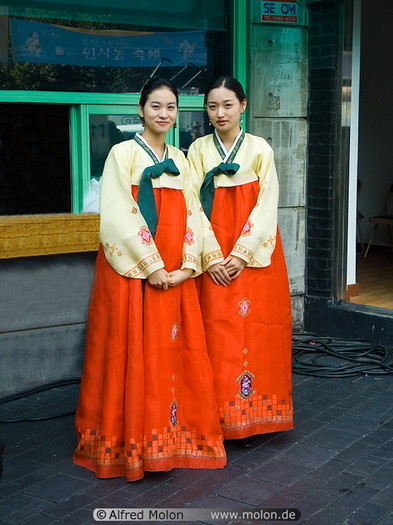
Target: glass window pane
49,52
34,159
192,124
105,131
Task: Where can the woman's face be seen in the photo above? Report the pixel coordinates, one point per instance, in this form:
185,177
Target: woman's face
160,111
224,109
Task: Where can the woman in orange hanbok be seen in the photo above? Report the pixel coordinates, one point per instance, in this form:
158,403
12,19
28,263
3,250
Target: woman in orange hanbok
147,401
244,292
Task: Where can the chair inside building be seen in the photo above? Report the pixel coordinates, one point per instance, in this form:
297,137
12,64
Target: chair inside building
385,219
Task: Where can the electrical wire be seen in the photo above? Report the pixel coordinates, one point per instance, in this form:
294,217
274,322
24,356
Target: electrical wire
312,355
329,357
36,390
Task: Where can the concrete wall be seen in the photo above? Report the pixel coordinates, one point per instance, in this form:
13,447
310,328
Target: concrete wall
42,319
278,91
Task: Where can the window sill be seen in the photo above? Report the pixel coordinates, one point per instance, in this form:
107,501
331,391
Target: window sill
31,235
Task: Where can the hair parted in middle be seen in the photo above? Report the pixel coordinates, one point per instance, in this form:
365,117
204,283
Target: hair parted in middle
228,82
157,83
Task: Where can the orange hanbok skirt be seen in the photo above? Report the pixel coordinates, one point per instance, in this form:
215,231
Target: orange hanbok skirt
248,327
147,400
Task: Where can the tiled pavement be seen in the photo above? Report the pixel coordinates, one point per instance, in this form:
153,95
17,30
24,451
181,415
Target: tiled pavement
336,466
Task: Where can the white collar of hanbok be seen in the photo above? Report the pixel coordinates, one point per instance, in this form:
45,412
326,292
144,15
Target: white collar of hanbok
151,149
228,153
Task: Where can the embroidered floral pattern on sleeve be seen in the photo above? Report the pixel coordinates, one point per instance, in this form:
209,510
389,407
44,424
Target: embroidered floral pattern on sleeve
143,264
146,236
212,256
243,250
247,228
271,240
113,250
189,237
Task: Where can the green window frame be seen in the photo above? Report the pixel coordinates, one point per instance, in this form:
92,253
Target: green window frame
28,235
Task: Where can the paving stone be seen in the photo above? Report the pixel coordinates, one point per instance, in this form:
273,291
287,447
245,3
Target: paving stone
379,437
356,497
217,501
386,521
332,438
41,519
355,451
57,488
351,402
341,484
313,503
330,515
7,489
249,490
187,477
154,496
385,450
304,486
385,497
371,410
324,466
20,507
280,472
356,424
379,478
308,455
215,477
377,511
331,414
80,517
279,443
280,501
70,505
365,465
306,424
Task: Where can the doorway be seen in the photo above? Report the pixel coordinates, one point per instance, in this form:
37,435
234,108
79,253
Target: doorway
374,275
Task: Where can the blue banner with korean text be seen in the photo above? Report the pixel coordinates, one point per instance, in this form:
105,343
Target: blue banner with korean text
52,44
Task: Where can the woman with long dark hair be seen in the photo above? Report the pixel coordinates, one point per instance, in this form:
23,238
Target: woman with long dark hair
147,401
244,291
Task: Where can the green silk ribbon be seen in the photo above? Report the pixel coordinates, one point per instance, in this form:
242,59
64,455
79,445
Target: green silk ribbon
146,201
207,188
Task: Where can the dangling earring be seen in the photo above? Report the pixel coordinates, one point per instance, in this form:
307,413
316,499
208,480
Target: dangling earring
241,118
142,121
210,123
175,125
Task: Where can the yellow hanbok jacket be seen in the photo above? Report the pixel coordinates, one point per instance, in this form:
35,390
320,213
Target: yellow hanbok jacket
124,234
255,157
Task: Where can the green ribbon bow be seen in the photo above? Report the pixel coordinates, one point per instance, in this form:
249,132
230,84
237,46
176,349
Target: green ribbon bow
207,188
146,201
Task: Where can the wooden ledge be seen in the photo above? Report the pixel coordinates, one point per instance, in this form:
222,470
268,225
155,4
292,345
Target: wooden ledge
30,235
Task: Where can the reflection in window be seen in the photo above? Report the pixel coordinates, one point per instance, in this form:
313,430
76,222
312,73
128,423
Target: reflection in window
105,132
192,124
94,55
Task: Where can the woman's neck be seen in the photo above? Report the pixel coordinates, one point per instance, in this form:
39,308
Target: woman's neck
156,142
229,137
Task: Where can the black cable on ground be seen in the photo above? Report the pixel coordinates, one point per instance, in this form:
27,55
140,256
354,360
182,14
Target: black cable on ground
329,357
35,390
312,355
